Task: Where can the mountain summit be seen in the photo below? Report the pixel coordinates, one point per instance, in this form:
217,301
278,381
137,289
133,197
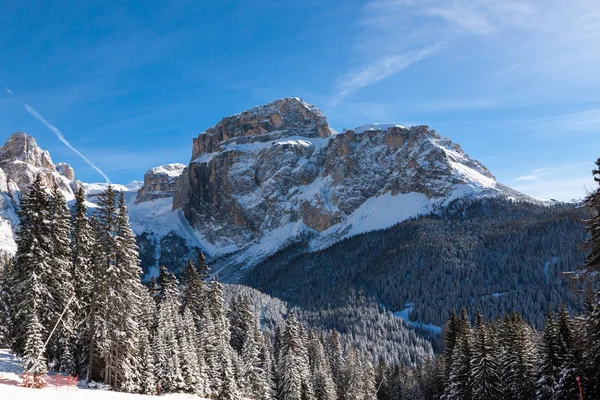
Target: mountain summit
260,178
268,177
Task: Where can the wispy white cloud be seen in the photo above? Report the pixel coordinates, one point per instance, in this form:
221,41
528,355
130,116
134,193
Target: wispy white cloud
549,45
380,69
62,138
6,89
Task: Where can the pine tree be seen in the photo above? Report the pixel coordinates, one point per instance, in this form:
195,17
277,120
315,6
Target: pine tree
218,352
369,383
194,291
459,382
167,350
320,371
32,267
485,374
571,355
35,363
147,364
60,282
592,260
228,389
336,360
592,264
294,383
253,373
518,358
82,245
168,286
592,356
5,305
117,273
190,365
548,371
450,336
98,341
267,356
241,322
381,377
353,376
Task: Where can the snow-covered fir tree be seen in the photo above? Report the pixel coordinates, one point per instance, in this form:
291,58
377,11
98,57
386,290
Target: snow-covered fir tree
293,362
320,370
61,347
30,295
82,245
549,360
5,305
485,371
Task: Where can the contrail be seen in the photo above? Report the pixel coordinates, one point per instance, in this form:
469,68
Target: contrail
61,137
6,88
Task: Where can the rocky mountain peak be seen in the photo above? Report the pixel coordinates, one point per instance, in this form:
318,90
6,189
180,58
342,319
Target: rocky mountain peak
160,182
260,178
23,147
65,170
284,117
21,160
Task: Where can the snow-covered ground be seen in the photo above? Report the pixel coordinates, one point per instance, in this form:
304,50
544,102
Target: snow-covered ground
416,324
11,368
376,126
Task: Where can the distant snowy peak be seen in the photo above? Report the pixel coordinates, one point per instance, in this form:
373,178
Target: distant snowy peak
169,170
375,127
94,189
21,160
159,182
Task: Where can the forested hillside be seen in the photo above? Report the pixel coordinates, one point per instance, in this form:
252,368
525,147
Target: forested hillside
494,255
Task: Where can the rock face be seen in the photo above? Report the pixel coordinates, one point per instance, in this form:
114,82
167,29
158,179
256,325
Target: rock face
22,160
280,168
65,170
270,122
159,182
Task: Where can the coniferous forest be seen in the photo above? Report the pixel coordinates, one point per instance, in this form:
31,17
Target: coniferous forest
72,301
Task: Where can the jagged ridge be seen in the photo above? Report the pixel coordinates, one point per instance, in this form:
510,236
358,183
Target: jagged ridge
260,178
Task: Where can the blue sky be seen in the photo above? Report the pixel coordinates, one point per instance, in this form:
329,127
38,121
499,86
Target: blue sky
129,84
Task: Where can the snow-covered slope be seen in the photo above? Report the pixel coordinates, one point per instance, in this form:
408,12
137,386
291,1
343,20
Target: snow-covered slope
59,389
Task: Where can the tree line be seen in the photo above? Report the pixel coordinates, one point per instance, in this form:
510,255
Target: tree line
494,255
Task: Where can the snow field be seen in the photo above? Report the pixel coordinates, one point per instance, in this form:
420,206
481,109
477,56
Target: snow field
11,369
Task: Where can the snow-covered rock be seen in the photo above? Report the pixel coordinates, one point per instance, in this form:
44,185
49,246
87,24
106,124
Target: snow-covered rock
261,178
159,182
65,170
375,127
21,161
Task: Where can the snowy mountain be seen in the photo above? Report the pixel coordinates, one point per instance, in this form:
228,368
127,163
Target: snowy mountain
260,179
264,178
